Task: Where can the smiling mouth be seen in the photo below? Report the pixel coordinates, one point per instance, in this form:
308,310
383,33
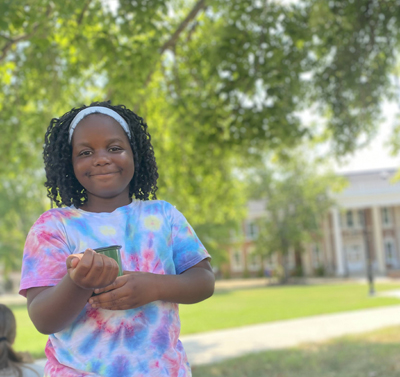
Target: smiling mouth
103,174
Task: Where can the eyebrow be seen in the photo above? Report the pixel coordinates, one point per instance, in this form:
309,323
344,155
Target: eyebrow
113,140
87,144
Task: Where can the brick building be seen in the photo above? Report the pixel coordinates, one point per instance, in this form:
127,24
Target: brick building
367,218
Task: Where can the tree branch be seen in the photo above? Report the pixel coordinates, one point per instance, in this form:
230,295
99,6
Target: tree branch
5,37
15,40
174,37
170,44
85,8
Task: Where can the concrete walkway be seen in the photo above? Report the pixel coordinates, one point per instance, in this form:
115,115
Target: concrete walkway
215,346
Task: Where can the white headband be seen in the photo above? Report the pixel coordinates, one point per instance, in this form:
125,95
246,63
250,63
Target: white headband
98,109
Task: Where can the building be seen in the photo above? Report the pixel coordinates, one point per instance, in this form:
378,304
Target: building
365,222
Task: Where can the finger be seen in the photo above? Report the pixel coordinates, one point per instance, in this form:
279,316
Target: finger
110,269
106,297
74,262
86,261
96,270
129,272
109,297
110,304
71,257
118,283
108,274
69,260
121,304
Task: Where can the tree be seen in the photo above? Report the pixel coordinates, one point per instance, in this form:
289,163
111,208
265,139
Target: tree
218,81
19,209
298,195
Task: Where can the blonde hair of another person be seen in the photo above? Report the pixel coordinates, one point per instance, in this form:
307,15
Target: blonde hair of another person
10,361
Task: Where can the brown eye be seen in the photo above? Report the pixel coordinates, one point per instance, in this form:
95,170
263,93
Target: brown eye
85,153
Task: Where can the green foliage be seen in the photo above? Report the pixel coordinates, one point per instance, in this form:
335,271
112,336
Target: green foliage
320,271
355,48
219,82
19,210
297,194
215,237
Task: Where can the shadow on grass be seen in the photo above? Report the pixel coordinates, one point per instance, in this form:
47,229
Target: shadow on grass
342,358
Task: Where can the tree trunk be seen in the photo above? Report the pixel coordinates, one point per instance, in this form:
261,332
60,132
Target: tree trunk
285,266
299,272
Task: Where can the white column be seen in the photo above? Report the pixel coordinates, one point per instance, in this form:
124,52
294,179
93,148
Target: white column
306,260
378,239
328,254
337,234
396,210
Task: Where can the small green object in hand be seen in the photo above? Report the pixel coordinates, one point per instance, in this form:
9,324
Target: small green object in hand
113,252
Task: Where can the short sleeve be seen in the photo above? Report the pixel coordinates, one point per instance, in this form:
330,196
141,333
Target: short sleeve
187,248
45,253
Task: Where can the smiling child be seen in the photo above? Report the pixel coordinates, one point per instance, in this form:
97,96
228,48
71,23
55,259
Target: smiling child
102,175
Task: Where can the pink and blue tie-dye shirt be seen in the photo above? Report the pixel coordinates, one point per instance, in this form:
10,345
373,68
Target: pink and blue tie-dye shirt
156,238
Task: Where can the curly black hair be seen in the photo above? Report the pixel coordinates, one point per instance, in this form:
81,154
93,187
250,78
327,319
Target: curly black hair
63,187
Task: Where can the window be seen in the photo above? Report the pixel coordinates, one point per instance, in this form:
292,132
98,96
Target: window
361,217
237,261
254,261
234,234
316,256
252,230
390,252
349,219
386,216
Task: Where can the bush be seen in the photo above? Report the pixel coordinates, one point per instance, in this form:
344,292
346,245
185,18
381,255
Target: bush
320,271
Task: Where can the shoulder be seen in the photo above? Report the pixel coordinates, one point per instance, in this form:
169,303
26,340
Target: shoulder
156,206
54,214
160,209
53,218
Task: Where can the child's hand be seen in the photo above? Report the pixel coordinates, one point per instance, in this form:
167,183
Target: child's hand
91,270
129,291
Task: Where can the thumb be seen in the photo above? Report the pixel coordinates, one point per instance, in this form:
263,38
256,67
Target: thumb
129,272
72,261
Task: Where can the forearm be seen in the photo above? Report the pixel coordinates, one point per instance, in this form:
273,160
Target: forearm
193,285
54,308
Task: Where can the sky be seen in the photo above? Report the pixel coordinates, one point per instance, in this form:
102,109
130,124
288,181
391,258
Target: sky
377,154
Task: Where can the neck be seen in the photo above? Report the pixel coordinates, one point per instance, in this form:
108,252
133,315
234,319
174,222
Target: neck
96,204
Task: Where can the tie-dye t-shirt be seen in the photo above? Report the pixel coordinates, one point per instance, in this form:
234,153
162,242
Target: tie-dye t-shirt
156,238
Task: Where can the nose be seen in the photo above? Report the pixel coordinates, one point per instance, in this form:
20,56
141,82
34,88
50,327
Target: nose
101,158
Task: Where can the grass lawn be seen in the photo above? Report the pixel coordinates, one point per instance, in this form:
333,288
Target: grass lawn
250,306
243,307
28,338
375,354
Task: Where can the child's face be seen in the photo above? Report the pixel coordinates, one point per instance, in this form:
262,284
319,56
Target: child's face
102,157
